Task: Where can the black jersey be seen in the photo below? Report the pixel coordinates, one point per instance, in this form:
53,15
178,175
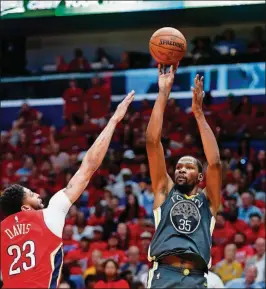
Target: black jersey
184,227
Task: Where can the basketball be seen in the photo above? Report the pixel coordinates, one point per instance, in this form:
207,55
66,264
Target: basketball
168,45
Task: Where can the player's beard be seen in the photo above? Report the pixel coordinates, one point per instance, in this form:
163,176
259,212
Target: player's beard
185,188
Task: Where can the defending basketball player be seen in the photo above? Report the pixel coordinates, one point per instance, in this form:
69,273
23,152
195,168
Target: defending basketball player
31,236
184,214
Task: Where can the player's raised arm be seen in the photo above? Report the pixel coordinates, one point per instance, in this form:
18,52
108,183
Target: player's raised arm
94,156
211,150
161,182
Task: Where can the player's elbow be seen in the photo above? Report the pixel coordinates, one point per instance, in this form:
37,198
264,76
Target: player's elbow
215,163
152,139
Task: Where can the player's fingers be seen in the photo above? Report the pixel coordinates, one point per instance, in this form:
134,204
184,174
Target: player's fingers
131,94
159,69
194,92
171,70
196,80
201,82
164,69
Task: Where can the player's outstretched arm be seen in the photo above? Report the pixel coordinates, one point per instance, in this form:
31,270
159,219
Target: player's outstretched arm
94,156
161,182
210,146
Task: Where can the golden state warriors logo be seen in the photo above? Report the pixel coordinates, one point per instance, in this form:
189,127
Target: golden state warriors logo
185,217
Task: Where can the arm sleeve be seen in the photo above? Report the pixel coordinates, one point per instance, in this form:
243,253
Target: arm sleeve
55,213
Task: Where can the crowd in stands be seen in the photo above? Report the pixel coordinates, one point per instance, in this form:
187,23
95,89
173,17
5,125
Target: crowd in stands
226,44
108,230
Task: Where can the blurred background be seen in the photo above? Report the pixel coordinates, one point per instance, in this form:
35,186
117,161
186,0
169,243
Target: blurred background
64,67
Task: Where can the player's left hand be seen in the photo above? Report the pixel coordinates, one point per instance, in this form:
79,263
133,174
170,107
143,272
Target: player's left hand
198,95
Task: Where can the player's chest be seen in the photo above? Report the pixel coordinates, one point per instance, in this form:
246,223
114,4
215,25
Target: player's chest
185,214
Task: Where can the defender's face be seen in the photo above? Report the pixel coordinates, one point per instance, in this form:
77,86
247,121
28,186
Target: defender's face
32,201
186,172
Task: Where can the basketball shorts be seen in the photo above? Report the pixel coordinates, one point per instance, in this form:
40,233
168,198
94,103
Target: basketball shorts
166,276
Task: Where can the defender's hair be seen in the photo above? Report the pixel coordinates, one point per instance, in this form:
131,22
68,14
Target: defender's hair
12,200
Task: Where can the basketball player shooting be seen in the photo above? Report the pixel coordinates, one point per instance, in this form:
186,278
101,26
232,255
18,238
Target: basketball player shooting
31,236
184,214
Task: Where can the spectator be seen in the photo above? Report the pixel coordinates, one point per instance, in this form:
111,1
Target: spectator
77,259
231,214
94,264
109,226
223,232
134,265
68,242
213,280
124,61
146,199
81,229
73,103
111,279
98,218
258,259
90,281
143,175
124,235
257,43
243,250
247,208
118,189
132,211
97,100
58,158
113,250
145,240
103,60
247,282
229,268
29,114
97,241
256,229
79,63
26,169
61,65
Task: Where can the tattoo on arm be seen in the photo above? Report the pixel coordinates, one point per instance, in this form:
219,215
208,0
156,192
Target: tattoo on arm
68,187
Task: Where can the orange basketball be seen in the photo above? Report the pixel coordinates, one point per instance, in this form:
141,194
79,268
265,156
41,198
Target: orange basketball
168,45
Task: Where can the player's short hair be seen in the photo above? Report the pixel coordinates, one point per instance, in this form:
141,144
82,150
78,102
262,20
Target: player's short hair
199,164
12,199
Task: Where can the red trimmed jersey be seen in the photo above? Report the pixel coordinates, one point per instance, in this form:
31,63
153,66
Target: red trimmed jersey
31,255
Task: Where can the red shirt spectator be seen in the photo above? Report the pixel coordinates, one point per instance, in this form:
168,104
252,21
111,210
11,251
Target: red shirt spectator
243,251
111,279
255,230
113,251
79,63
73,97
97,242
98,218
98,98
77,259
125,61
61,65
223,232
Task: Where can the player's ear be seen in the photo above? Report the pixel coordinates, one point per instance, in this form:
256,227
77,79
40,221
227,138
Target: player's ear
25,208
200,177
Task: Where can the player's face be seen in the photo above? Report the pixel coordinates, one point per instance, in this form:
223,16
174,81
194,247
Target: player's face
186,172
32,201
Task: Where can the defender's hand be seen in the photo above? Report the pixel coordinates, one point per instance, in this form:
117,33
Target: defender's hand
166,79
198,95
123,106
